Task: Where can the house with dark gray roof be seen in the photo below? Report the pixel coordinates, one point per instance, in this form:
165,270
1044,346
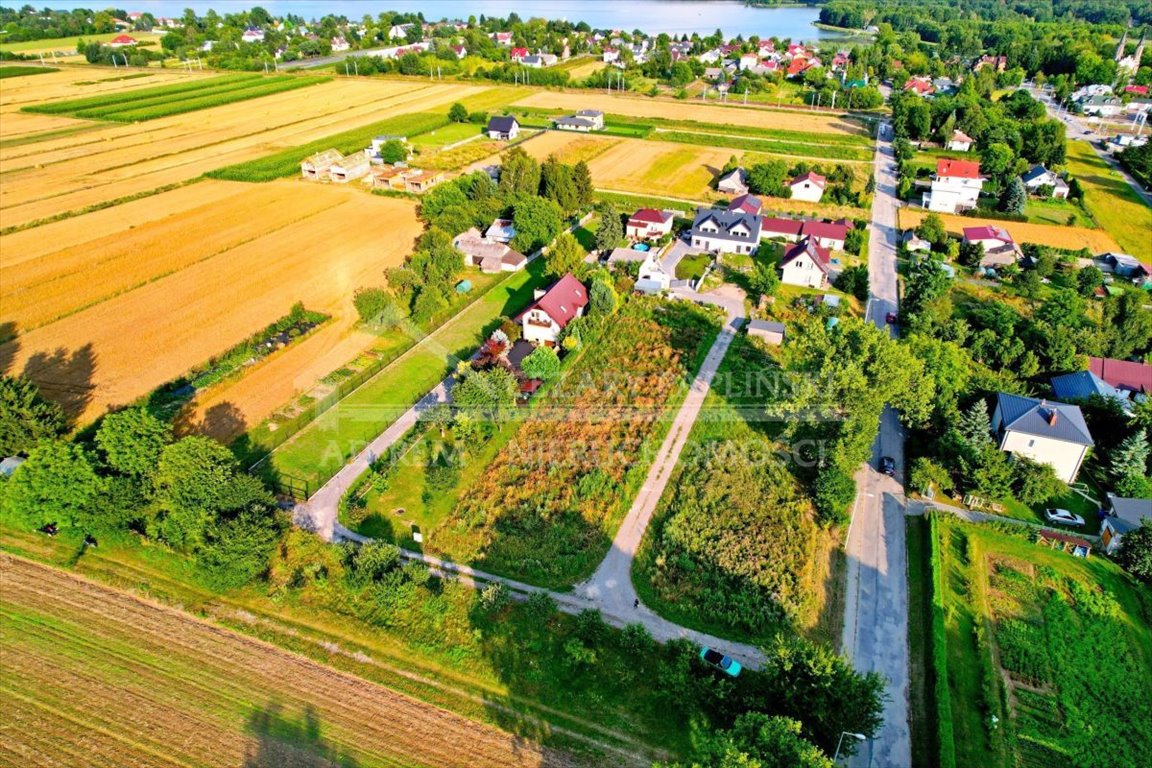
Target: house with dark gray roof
503,128
723,231
1083,385
1038,176
1124,516
1045,431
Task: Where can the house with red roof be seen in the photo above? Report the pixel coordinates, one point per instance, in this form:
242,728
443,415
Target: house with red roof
797,66
460,51
553,309
921,86
518,54
1124,375
826,234
808,187
121,41
955,186
746,203
999,247
649,224
806,263
503,39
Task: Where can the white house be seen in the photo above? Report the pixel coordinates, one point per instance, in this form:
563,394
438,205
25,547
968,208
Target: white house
489,255
1038,176
354,166
652,277
611,55
809,187
734,183
399,31
501,231
503,128
1045,431
725,231
649,224
339,45
253,35
1124,515
955,187
553,309
806,263
316,167
960,142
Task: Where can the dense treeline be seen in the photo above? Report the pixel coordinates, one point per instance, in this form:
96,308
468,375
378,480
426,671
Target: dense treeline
27,23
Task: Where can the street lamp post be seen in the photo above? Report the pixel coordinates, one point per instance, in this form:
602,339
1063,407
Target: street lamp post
840,742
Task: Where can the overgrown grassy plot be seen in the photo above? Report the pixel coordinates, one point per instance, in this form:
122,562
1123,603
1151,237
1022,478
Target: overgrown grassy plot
1057,648
19,71
176,99
1111,201
818,151
547,507
733,546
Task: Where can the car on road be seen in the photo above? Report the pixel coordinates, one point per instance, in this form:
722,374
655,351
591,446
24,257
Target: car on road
725,664
888,465
1062,516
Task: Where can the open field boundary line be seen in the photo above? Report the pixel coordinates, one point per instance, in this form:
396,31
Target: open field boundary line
97,206
167,273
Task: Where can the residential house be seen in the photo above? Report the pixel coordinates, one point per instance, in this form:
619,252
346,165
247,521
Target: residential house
594,115
955,187
503,128
713,73
548,59
460,51
553,309
315,168
733,183
652,277
1125,266
339,45
518,54
997,63
490,256
999,247
649,224
809,187
399,31
725,231
353,166
921,86
1038,176
584,121
252,35
610,55
418,181
502,39
806,263
1045,431
831,235
1083,385
770,331
1101,106
746,203
960,142
387,177
501,230
378,142
122,41
1127,376
532,61
1124,516
748,60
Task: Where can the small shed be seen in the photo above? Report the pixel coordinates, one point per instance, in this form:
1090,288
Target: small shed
463,286
1073,545
770,331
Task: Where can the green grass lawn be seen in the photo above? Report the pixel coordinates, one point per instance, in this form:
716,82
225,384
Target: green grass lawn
325,445
18,71
691,267
1110,200
585,234
1059,212
1047,643
449,134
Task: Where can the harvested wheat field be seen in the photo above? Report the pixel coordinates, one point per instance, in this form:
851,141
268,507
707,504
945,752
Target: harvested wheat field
69,83
1073,238
659,168
68,175
309,243
99,677
20,125
689,110
568,147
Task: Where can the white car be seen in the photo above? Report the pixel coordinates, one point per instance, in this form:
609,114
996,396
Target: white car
1063,516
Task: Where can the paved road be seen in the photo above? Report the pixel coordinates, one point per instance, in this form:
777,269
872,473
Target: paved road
1077,132
876,604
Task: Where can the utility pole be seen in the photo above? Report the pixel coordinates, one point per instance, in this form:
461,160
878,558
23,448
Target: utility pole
833,99
745,95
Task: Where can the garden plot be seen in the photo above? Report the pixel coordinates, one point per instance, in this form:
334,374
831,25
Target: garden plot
318,246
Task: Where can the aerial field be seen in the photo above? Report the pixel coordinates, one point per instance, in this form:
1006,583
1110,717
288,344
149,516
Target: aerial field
69,43
70,83
99,677
568,146
690,110
213,283
72,174
1109,198
1073,238
656,167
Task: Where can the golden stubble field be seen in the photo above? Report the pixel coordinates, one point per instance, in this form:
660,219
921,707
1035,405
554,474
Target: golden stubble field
98,677
634,106
71,173
141,305
1095,240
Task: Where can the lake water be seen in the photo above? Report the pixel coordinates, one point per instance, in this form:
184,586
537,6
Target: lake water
675,17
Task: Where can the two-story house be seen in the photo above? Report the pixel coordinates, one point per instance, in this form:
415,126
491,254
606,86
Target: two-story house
553,309
955,187
1042,430
806,263
725,231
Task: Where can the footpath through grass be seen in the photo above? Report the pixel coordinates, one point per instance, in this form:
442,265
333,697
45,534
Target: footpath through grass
319,450
1114,205
1058,649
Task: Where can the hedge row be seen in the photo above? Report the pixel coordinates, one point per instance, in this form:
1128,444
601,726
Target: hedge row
287,162
126,97
939,641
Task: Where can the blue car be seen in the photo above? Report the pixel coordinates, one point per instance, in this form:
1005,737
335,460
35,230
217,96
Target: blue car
720,661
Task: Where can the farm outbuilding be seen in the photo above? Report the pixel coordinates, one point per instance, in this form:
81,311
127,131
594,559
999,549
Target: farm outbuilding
354,166
770,331
316,167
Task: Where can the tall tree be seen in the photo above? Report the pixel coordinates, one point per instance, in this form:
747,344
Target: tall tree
611,230
519,173
566,255
25,416
582,178
132,441
57,484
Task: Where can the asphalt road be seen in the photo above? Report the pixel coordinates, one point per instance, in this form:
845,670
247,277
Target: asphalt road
876,603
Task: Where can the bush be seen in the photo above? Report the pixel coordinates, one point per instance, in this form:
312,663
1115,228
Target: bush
854,280
834,492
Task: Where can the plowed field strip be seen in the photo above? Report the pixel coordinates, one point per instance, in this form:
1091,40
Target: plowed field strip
62,679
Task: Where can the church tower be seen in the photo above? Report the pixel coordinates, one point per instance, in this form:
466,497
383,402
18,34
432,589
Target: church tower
1123,44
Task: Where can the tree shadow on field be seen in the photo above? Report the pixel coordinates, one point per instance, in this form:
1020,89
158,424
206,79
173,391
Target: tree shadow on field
282,739
64,378
9,345
223,421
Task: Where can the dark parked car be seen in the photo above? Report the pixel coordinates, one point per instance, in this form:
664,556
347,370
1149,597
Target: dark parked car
888,465
891,318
